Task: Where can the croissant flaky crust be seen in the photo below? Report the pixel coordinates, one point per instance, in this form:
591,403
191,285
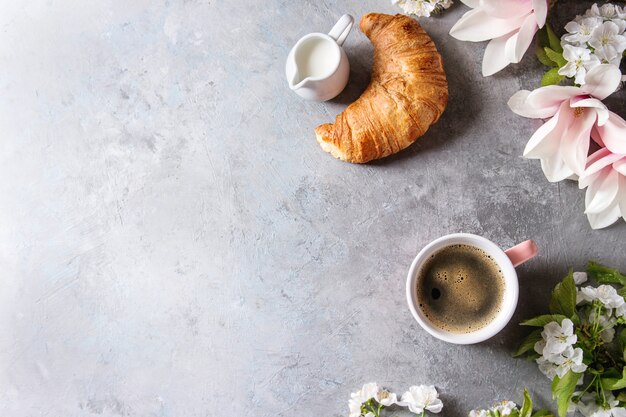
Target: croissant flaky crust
407,93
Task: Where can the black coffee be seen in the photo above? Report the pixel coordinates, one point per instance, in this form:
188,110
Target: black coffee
460,289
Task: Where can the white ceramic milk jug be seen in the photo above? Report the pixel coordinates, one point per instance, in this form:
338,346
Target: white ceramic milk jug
317,66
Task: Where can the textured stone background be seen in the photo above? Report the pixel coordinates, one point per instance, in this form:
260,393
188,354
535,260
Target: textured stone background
173,242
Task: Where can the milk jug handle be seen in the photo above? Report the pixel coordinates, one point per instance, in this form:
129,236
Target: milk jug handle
340,31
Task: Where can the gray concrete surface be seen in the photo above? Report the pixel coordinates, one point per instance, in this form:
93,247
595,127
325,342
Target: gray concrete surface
173,242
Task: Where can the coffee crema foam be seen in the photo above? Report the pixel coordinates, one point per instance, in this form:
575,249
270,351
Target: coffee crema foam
460,289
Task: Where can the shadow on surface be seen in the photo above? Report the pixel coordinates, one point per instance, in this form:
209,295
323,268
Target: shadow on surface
536,284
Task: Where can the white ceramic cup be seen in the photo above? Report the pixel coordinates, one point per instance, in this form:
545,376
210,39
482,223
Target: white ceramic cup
506,260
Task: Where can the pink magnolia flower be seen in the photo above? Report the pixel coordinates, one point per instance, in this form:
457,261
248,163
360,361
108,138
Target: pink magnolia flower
562,143
605,175
510,24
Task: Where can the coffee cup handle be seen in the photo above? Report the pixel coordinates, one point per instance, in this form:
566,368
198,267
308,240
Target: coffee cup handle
340,31
522,252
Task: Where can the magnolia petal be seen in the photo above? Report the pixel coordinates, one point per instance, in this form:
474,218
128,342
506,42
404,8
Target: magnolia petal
524,37
602,193
545,140
604,219
602,111
613,133
495,57
622,196
506,9
595,135
471,3
551,97
602,81
555,169
575,142
595,163
541,11
477,26
518,103
620,166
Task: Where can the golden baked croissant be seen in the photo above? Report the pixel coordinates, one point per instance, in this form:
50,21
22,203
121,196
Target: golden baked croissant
407,93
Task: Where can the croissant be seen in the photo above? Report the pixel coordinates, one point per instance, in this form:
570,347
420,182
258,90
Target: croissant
407,93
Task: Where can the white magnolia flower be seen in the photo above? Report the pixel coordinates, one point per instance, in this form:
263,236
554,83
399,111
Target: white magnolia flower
357,399
422,8
558,337
579,61
607,38
421,397
605,174
580,278
579,30
385,397
509,25
570,359
562,142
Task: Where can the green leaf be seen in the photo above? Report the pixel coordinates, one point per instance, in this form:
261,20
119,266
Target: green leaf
544,59
542,36
553,41
563,389
541,321
621,396
615,383
604,274
527,405
622,339
551,77
564,296
543,413
528,344
556,57
622,292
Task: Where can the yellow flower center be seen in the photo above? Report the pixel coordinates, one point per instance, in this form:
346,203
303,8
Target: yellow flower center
578,111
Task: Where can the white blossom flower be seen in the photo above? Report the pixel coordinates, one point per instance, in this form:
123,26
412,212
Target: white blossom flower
422,8
570,359
580,277
478,413
579,61
385,397
421,397
505,408
593,409
580,29
607,325
546,367
357,399
608,11
558,337
621,311
606,294
587,404
606,38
